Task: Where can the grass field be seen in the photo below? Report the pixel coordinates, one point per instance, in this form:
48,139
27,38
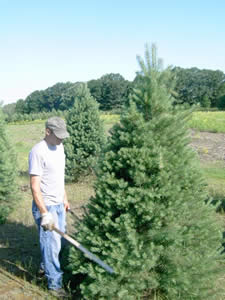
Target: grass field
24,136
19,249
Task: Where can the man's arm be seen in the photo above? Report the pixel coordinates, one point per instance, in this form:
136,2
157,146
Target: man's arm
36,192
47,221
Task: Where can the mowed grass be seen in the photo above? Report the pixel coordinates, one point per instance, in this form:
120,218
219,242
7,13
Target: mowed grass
214,173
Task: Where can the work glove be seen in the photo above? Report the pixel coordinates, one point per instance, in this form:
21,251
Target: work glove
47,221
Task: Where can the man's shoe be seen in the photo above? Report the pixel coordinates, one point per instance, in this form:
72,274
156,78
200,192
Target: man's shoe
60,293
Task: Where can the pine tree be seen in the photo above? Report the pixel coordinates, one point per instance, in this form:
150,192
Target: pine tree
8,173
150,219
87,138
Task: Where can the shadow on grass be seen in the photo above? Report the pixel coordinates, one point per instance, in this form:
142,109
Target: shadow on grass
19,250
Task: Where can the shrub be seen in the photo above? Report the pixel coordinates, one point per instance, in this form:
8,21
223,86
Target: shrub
149,219
86,140
8,173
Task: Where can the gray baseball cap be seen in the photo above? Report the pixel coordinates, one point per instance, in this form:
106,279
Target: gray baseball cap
58,126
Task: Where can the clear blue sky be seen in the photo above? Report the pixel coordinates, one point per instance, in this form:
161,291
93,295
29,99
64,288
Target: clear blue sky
43,42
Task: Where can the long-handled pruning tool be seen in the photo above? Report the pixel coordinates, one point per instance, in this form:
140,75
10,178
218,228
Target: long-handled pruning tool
90,255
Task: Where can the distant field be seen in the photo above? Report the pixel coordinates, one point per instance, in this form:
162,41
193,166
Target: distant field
24,135
208,121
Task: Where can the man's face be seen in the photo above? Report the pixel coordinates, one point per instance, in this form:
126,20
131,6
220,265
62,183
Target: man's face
52,138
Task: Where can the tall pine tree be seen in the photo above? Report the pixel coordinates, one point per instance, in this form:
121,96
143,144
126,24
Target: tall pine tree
150,219
84,146
8,174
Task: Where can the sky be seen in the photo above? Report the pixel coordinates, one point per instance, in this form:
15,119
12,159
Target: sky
43,42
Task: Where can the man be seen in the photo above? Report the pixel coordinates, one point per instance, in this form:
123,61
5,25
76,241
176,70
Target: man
46,169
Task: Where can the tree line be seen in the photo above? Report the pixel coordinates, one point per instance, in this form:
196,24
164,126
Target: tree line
111,91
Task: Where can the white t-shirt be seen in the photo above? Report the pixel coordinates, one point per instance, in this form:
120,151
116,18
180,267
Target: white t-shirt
48,162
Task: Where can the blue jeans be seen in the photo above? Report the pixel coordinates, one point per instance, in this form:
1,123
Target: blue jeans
50,244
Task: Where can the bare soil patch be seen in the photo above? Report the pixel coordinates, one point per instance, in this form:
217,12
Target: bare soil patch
209,146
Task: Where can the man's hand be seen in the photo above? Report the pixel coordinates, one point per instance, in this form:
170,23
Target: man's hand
66,202
47,221
66,205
